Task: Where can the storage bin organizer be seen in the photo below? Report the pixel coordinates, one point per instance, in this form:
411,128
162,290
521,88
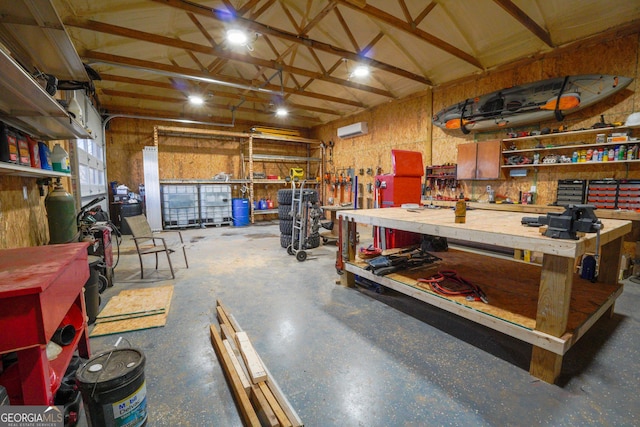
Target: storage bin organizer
195,205
571,192
602,194
614,194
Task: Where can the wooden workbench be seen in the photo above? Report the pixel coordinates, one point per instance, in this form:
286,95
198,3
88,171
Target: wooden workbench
548,306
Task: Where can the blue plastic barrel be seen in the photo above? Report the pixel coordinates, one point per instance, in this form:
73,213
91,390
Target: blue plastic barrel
240,212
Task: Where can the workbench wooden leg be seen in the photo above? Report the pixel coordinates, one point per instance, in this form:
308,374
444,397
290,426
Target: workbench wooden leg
347,245
545,364
610,254
554,298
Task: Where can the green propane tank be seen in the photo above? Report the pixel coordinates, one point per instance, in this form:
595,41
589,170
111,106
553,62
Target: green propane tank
61,211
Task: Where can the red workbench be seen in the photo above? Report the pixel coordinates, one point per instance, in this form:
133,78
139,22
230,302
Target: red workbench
41,288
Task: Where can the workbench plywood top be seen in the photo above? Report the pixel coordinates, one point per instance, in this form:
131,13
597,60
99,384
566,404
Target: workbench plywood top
488,227
32,269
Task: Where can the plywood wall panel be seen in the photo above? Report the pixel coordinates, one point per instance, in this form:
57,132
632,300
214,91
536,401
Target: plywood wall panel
22,222
615,55
402,125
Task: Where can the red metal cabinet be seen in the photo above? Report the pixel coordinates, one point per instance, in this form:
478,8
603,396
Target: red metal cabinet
41,288
402,187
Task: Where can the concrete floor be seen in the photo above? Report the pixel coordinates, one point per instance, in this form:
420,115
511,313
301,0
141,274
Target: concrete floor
351,357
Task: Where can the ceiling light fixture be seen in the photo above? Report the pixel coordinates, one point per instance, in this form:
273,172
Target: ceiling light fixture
281,112
237,37
361,71
196,99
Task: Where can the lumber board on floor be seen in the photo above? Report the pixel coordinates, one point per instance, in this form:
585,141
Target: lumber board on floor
275,406
249,415
264,411
236,365
153,295
277,401
251,360
227,332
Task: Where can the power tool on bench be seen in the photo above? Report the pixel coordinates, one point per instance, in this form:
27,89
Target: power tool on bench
566,225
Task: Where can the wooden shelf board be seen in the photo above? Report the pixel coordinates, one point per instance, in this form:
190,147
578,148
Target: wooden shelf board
512,299
570,147
265,211
531,165
571,133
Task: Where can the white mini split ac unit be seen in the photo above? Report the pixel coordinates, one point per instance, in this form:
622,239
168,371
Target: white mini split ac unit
355,129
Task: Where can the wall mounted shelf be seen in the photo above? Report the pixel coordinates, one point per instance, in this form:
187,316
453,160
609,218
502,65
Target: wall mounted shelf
26,106
17,170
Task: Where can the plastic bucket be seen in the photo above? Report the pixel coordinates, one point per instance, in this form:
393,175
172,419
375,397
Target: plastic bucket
113,388
240,212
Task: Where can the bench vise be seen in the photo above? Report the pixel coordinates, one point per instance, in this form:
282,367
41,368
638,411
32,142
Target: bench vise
566,225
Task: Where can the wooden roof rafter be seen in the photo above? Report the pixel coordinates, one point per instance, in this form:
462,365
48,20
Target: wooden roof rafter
216,93
347,30
296,38
198,75
234,56
398,23
525,20
319,17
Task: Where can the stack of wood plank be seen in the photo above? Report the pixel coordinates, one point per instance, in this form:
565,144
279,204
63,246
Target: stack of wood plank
259,399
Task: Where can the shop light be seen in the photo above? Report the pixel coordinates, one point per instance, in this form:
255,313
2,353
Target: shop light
196,100
361,71
237,37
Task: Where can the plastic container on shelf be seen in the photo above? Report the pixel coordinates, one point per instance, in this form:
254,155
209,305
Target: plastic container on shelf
60,159
45,156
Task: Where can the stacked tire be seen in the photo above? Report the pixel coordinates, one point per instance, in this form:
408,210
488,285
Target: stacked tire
286,216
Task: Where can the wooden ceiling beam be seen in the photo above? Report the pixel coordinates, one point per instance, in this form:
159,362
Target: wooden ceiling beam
216,93
408,28
247,7
525,20
405,11
262,9
115,109
424,13
347,30
375,40
202,29
221,53
295,38
198,75
213,105
290,17
319,17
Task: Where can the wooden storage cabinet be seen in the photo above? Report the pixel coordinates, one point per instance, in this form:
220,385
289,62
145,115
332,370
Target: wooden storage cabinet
479,160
